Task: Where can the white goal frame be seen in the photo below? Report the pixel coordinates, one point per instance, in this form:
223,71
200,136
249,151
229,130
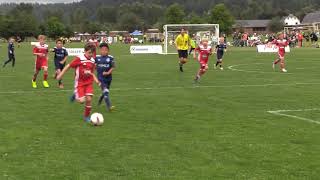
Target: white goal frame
165,32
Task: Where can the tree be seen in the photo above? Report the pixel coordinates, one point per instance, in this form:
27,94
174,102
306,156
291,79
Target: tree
130,22
54,28
222,16
175,14
195,19
275,24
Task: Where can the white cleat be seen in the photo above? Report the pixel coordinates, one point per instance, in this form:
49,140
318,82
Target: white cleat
273,66
221,68
284,70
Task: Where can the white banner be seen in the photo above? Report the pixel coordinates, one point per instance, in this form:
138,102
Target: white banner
75,51
157,49
34,43
270,48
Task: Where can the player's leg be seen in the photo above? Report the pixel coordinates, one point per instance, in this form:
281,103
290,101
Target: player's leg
183,55
7,61
275,62
13,60
282,65
88,90
58,71
37,69
45,75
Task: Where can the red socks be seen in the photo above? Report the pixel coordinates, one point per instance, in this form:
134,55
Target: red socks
87,111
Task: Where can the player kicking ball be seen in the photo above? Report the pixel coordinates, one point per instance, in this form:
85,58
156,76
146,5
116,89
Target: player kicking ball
105,65
60,58
281,43
221,48
204,51
84,66
41,52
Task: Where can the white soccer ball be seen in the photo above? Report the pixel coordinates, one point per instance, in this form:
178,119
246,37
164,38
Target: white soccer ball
97,119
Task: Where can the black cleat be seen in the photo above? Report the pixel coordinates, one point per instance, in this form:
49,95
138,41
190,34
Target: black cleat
100,100
181,68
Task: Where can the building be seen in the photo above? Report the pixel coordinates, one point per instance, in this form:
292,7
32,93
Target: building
291,20
251,26
312,18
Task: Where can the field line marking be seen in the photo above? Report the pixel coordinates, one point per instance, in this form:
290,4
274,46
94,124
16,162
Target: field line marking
240,70
280,113
167,88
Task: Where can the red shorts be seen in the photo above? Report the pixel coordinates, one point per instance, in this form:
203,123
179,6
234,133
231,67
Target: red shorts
281,54
82,91
41,63
203,65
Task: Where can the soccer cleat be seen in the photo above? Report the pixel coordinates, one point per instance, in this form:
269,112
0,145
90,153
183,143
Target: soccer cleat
197,79
87,119
34,84
72,98
181,68
284,70
61,86
112,108
221,68
45,84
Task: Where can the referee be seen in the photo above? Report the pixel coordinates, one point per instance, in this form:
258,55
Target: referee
182,44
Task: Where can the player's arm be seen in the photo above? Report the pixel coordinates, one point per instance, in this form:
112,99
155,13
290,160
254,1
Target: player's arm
195,53
96,79
65,69
65,58
176,42
110,71
225,49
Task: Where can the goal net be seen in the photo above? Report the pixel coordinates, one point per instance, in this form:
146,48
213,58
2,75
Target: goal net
195,31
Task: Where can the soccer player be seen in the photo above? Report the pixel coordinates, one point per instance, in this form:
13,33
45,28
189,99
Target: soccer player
105,65
84,66
204,51
182,44
192,44
221,48
281,43
41,53
10,53
60,58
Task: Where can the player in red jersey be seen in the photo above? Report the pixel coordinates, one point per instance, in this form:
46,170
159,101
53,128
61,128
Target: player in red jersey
281,43
41,62
204,51
84,66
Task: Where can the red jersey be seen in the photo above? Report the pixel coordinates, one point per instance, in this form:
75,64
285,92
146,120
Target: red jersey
281,44
204,53
84,67
44,49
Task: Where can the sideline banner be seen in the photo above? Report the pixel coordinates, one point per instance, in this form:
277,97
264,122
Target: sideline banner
270,48
75,51
157,49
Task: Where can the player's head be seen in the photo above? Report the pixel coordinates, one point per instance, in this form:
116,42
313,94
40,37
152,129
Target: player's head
183,31
59,43
205,42
89,49
221,40
104,49
11,40
41,39
281,36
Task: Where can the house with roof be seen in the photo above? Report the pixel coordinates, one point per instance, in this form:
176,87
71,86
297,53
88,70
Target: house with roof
251,26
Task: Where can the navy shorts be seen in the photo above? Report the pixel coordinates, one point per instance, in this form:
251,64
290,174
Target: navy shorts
58,65
219,56
105,83
183,54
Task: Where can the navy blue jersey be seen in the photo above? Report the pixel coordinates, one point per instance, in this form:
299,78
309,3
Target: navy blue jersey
11,48
59,54
220,48
104,64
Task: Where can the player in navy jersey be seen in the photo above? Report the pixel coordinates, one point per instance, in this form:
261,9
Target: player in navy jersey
105,65
10,53
60,58
221,48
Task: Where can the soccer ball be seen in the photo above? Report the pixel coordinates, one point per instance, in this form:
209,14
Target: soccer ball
97,119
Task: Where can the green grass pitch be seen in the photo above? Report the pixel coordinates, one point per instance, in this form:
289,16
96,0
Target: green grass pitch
166,127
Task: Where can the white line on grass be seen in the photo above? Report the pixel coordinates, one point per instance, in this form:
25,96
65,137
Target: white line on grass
282,113
249,71
167,88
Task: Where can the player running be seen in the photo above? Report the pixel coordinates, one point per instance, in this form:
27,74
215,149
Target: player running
204,51
41,62
182,44
60,58
105,65
84,66
221,48
281,43
10,53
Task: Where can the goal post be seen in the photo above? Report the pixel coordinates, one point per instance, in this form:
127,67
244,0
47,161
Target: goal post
199,31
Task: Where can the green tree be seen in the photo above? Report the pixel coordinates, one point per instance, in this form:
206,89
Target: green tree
54,28
175,14
275,24
195,19
130,22
222,16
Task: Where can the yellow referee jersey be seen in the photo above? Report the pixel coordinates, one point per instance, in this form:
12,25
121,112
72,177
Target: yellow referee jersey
182,42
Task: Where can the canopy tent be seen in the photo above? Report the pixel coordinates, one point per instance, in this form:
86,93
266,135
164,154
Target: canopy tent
136,33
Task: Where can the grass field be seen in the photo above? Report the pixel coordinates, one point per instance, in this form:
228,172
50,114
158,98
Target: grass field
246,122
